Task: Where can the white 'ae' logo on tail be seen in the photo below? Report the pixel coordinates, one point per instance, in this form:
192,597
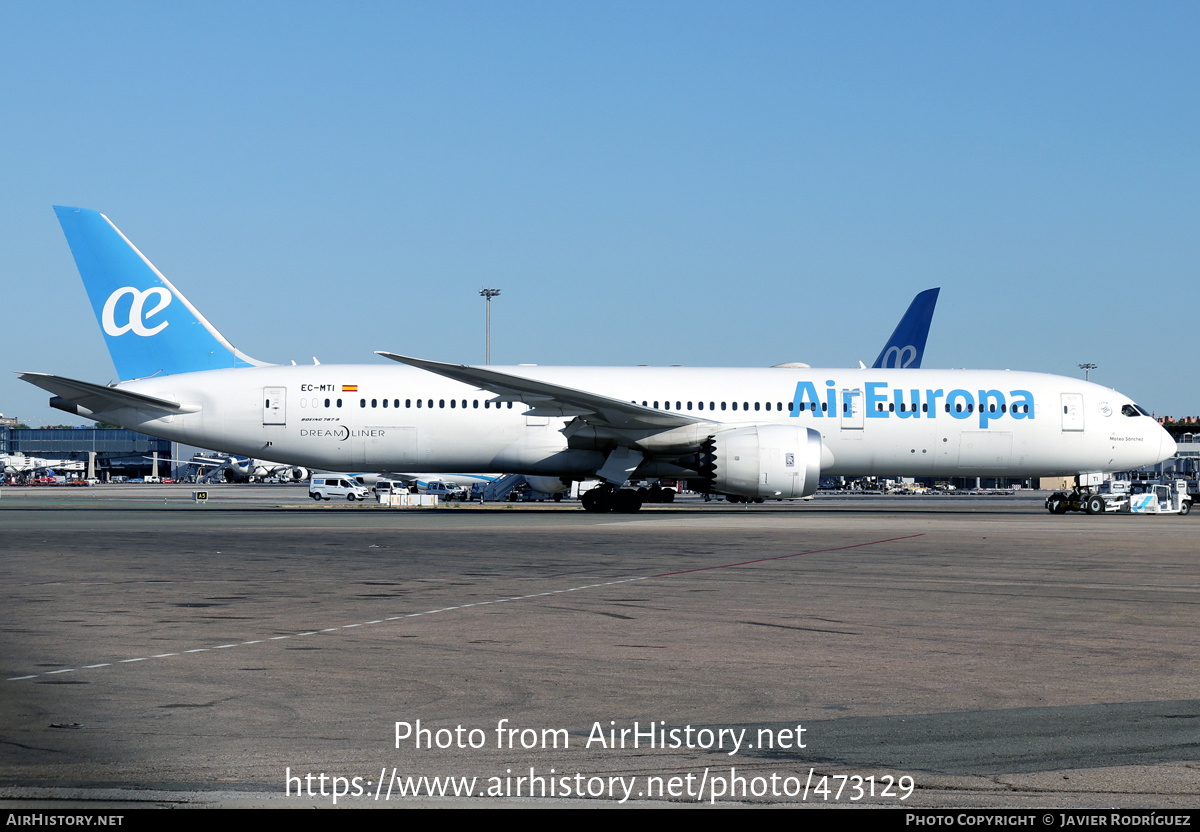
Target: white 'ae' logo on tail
137,312
899,357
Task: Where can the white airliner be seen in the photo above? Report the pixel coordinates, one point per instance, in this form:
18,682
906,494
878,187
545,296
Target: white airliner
750,433
230,468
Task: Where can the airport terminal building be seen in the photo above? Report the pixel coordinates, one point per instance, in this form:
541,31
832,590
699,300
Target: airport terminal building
123,453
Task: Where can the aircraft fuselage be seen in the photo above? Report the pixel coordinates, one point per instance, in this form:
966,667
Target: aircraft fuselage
876,421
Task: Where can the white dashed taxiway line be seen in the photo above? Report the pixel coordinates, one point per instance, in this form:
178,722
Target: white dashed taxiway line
378,621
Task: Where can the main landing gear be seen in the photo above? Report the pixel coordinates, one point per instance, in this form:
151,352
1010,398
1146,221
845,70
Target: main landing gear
607,498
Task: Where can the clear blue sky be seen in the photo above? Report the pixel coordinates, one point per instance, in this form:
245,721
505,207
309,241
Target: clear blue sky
648,183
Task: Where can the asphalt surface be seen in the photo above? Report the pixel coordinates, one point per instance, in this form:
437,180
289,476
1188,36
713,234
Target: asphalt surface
157,652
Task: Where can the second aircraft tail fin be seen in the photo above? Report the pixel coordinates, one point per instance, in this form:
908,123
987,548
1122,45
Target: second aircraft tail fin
149,327
906,347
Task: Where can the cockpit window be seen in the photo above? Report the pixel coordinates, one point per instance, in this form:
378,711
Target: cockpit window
1133,410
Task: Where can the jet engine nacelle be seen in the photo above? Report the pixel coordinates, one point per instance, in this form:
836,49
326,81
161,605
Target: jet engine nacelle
777,462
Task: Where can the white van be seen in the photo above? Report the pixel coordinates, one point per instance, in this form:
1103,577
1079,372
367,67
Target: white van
336,486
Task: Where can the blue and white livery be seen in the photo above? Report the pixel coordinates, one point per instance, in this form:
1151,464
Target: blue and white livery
905,349
751,433
150,328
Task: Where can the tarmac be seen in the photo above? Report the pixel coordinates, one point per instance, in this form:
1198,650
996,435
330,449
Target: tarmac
263,650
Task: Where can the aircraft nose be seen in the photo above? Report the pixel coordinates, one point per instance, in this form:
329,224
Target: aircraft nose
1167,446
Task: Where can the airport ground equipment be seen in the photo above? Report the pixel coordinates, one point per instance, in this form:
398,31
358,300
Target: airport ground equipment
1163,496
445,491
335,486
498,490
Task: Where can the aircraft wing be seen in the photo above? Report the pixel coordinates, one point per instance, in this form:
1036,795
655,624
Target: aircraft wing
546,399
193,461
97,398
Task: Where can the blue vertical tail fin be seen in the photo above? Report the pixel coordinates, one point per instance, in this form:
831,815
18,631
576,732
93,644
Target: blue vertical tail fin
149,327
906,347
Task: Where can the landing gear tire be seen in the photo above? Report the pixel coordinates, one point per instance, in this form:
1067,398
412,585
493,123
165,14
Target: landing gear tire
1094,505
1057,504
627,501
592,501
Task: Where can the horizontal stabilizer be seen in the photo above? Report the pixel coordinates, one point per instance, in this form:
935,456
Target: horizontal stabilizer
97,398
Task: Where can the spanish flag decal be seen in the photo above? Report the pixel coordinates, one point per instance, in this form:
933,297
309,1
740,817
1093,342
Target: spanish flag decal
349,388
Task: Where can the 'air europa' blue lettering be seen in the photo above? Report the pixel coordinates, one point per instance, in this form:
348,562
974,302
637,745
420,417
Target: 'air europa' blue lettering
990,405
876,402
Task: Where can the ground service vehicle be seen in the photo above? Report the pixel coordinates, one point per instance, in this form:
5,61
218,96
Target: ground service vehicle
1164,496
336,486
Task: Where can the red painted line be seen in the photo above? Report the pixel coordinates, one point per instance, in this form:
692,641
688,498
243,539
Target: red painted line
785,557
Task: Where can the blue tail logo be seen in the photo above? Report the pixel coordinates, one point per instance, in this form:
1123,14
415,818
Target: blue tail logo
149,326
137,311
906,347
